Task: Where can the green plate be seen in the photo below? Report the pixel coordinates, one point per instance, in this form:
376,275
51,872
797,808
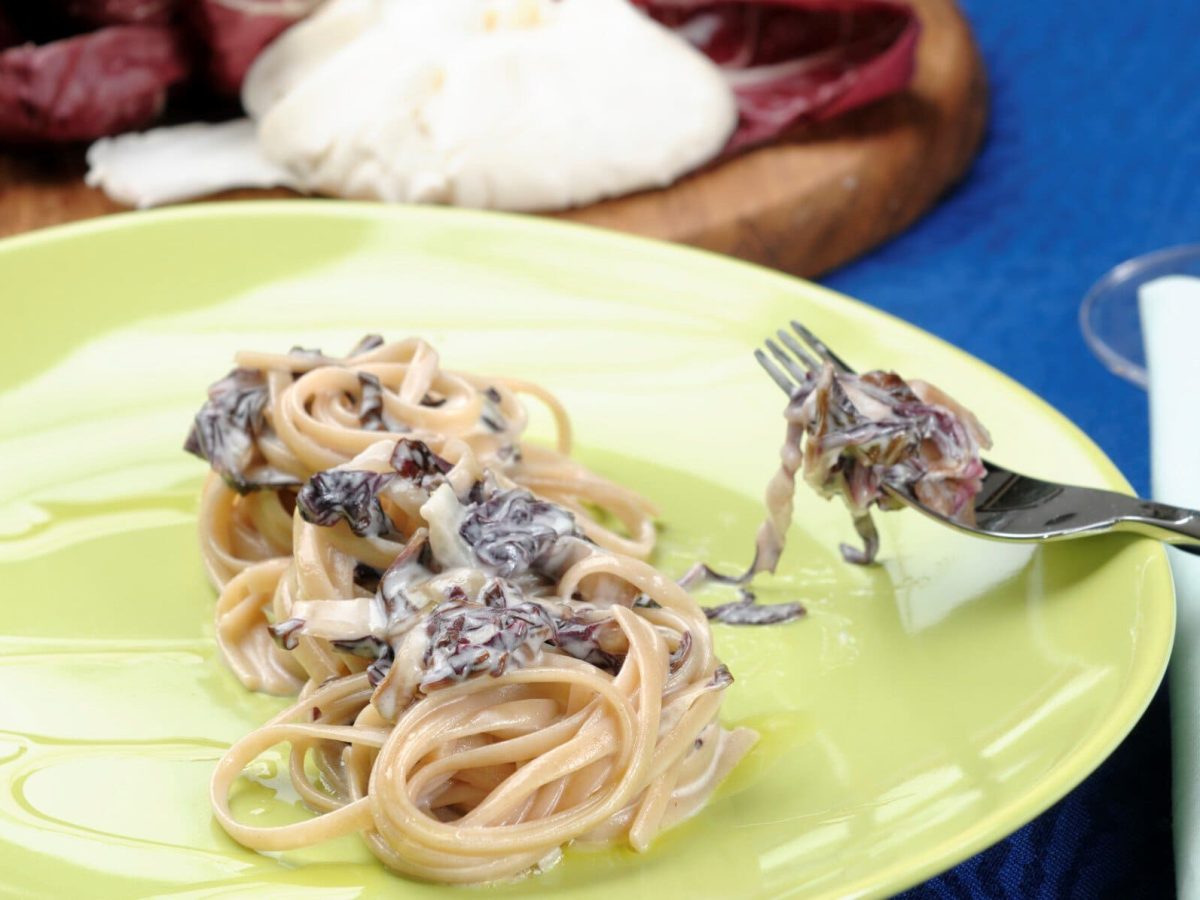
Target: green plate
924,709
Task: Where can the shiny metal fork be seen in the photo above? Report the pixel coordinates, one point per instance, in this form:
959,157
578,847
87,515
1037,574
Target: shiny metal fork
1011,506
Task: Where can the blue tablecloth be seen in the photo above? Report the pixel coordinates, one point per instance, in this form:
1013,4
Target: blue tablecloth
1093,156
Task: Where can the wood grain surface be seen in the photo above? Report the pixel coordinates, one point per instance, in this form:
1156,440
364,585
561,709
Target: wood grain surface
821,197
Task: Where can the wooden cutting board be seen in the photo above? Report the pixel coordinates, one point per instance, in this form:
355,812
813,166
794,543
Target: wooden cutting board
804,205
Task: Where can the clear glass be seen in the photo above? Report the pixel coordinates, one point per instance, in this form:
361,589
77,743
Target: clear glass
1109,313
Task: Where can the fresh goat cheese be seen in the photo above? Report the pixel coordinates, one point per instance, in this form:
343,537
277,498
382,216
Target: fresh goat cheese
508,104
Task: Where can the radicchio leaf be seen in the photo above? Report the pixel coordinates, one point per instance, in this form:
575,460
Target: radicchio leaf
82,88
466,639
368,343
794,61
368,647
414,461
408,568
645,601
862,433
347,494
287,633
120,12
680,654
514,532
371,411
509,453
747,612
583,640
309,354
372,648
227,428
721,678
492,417
367,577
499,593
233,33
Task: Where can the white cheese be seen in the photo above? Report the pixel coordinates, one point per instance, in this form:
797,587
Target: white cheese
171,164
510,104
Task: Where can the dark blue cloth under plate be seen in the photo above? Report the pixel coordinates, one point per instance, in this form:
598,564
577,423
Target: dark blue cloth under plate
1093,156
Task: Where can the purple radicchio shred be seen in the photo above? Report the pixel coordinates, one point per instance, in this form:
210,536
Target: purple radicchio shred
680,654
309,354
475,494
227,428
372,648
509,453
433,401
492,417
702,573
514,532
746,612
469,639
721,678
412,565
582,639
378,670
645,601
368,647
371,411
865,526
494,594
415,462
367,577
287,633
366,344
347,494
864,434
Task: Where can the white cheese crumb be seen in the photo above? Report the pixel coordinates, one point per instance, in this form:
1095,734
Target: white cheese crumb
171,164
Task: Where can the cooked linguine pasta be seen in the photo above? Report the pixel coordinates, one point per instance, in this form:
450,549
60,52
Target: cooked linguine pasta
486,670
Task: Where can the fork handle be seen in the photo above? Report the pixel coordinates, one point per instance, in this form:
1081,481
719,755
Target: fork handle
1172,524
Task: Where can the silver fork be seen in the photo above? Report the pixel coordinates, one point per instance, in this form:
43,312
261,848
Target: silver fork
1011,506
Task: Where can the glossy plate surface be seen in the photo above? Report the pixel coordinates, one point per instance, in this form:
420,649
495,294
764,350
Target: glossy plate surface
924,709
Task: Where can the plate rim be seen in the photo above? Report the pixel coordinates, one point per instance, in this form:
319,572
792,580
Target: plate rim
990,829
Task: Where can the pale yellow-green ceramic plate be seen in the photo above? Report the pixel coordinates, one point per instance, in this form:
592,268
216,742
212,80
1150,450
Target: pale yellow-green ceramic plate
924,709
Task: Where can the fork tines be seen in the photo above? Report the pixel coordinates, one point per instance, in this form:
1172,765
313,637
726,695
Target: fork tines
792,369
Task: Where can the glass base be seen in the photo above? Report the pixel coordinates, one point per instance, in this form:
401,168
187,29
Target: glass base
1109,313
